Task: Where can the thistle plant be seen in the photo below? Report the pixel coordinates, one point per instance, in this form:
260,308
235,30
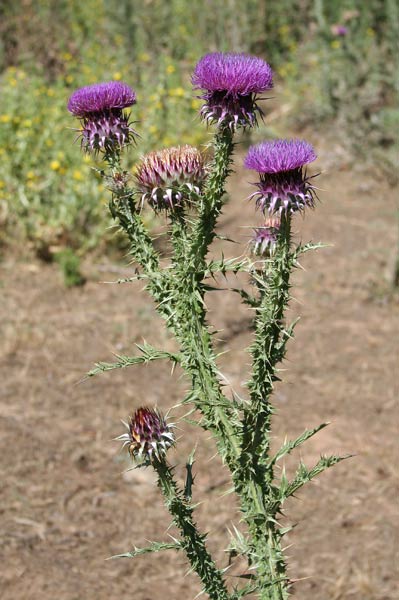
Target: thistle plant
190,191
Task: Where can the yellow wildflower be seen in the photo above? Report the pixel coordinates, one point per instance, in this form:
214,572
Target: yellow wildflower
170,69
5,118
55,165
177,92
78,175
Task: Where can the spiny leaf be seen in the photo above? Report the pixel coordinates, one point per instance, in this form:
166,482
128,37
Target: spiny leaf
148,354
189,477
289,446
304,475
153,547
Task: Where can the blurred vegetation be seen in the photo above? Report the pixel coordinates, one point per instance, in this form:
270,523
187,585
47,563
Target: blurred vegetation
336,61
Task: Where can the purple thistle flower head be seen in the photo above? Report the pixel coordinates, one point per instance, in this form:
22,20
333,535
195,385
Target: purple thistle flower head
100,108
149,435
265,238
231,84
339,30
167,178
283,186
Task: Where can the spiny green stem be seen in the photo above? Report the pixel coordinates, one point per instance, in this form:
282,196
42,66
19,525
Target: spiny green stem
253,480
192,541
213,196
199,361
266,351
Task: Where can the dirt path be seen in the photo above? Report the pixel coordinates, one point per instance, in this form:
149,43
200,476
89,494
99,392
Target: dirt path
65,504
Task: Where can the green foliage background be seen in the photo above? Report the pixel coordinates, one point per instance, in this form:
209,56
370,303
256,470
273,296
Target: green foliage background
49,48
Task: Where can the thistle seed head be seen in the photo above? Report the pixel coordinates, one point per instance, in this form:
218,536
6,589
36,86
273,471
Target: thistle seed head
170,177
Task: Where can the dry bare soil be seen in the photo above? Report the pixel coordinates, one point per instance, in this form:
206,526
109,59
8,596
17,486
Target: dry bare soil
66,502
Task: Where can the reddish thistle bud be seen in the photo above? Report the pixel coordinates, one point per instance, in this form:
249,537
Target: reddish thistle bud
265,238
149,435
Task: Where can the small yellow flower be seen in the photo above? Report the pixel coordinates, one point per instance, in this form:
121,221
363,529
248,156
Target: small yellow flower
283,30
50,92
60,154
69,79
27,123
335,44
370,32
78,175
282,71
153,129
2,184
170,69
117,76
177,92
196,103
5,118
144,57
66,56
62,171
30,175
13,82
55,165
49,143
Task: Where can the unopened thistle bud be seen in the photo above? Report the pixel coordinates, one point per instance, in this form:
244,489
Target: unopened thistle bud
283,186
100,109
265,238
231,83
149,435
170,177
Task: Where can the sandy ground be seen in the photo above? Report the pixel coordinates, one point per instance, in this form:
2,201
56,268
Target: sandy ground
66,503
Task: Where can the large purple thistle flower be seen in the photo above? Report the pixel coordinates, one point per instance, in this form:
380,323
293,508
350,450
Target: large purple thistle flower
148,436
100,108
283,186
231,84
169,177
